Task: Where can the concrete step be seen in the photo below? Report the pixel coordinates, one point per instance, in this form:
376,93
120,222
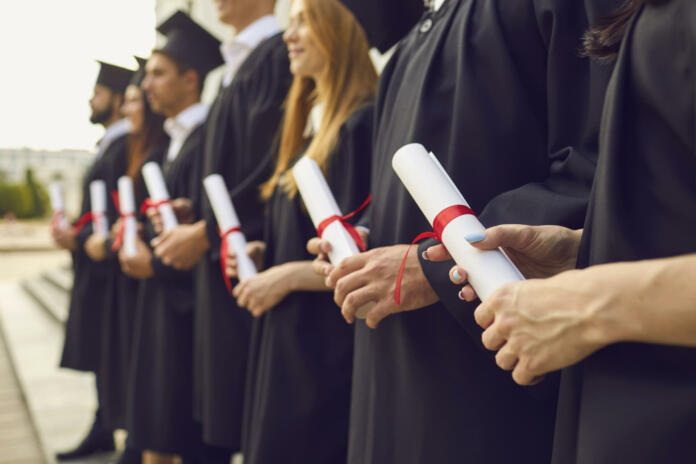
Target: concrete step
52,299
61,278
19,442
61,403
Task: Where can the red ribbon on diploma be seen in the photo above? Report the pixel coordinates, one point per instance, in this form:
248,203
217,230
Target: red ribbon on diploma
84,220
150,203
349,227
224,247
118,241
441,221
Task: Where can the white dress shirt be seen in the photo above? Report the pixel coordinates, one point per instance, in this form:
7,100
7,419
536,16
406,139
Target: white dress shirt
316,114
180,127
238,49
114,131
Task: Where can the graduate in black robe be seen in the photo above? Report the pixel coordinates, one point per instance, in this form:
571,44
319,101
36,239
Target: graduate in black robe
298,383
161,385
83,331
626,320
147,140
160,396
637,402
498,91
239,134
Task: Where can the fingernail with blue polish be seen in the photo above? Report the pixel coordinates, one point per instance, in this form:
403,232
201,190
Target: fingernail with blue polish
457,276
475,238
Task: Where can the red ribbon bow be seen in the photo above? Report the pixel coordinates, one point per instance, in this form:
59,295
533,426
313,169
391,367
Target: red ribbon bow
224,247
441,221
349,227
118,241
84,220
150,203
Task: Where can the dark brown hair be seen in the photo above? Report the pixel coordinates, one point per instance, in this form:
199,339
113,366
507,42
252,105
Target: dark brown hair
141,144
603,40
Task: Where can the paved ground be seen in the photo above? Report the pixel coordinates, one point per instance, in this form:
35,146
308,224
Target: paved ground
19,443
43,409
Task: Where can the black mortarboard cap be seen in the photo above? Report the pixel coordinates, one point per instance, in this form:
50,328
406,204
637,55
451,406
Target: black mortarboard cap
114,77
190,44
385,21
139,75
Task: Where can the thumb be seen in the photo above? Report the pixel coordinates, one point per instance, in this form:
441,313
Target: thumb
512,236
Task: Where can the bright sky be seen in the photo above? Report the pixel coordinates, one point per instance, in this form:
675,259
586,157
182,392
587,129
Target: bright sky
47,65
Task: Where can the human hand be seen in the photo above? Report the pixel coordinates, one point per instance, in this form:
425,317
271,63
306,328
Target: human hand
140,265
183,247
262,292
321,248
542,325
370,277
64,237
255,250
95,247
537,251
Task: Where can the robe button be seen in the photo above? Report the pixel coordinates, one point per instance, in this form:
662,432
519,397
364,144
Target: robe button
426,26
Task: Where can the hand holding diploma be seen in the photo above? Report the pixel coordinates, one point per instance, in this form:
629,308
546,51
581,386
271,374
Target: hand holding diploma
254,250
138,266
538,252
158,203
452,220
57,206
230,228
370,277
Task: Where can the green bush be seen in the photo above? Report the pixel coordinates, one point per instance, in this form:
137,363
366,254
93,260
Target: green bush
26,201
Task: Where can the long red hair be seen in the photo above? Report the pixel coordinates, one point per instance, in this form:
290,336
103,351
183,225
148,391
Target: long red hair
348,81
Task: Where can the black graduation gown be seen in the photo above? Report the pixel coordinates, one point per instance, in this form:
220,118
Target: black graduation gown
302,356
160,395
119,311
83,329
636,403
497,91
239,133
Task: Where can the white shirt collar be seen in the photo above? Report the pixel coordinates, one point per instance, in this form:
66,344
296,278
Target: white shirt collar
235,51
258,31
115,130
180,126
438,4
186,121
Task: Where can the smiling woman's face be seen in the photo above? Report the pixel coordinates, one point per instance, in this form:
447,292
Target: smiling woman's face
306,59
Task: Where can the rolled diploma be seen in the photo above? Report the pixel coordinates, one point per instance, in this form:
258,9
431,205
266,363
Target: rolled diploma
57,204
321,204
227,219
154,180
97,196
433,191
126,200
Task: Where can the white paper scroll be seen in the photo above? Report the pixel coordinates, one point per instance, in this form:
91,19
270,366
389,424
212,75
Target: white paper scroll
154,180
227,219
126,200
433,190
321,204
55,194
97,196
